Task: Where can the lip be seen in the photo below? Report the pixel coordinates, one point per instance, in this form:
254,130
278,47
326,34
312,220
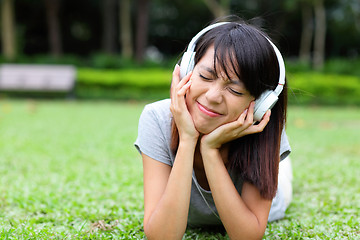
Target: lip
208,111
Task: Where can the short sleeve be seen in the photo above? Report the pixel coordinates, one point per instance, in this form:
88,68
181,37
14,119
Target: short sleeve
152,139
285,148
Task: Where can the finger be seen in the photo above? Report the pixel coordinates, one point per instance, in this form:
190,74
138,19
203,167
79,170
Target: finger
184,89
264,121
175,79
237,125
178,94
250,114
183,85
243,116
176,73
184,80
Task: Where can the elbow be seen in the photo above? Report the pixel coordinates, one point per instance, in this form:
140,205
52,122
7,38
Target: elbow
247,237
257,237
249,233
146,231
161,233
149,233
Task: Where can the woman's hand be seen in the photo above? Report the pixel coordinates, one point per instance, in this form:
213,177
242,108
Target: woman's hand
244,125
178,108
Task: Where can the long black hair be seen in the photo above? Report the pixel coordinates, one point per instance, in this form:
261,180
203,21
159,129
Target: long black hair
243,50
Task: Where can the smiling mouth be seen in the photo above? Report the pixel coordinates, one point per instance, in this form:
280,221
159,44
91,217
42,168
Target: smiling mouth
208,111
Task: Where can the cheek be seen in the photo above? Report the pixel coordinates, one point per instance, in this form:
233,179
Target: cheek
234,116
196,84
238,110
191,94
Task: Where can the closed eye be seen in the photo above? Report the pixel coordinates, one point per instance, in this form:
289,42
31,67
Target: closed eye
205,78
235,92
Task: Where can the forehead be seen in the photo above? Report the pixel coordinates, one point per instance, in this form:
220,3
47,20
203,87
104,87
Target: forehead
223,65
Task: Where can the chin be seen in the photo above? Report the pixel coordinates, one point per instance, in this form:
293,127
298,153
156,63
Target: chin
204,130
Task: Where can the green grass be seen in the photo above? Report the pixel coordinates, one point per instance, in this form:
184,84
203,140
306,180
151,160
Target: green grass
325,157
68,170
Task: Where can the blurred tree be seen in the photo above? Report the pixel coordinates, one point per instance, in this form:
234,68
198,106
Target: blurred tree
218,8
344,28
307,31
313,14
109,26
320,34
8,29
52,8
173,23
169,25
142,25
125,28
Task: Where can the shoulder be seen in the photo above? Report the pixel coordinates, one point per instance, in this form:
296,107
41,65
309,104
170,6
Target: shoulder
159,108
156,113
165,103
154,131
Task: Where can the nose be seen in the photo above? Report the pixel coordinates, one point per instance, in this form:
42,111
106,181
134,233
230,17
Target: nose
214,94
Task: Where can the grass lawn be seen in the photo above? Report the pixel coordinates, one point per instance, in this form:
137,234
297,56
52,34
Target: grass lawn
68,170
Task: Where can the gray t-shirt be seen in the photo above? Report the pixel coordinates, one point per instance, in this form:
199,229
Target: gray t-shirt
154,140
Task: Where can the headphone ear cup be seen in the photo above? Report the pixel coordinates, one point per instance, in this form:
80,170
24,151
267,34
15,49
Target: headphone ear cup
265,102
187,63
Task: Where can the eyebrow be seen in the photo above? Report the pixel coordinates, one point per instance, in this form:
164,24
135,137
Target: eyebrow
212,72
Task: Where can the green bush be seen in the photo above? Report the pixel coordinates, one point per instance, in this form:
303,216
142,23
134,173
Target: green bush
138,84
153,84
325,89
127,77
341,66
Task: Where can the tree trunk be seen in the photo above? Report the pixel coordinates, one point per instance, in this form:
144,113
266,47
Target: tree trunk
142,29
125,29
218,9
109,26
52,13
320,34
306,34
8,29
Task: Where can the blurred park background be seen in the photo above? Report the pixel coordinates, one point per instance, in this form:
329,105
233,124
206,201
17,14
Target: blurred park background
76,74
107,40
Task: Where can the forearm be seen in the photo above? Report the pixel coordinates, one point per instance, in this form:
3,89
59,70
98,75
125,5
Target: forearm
239,221
169,218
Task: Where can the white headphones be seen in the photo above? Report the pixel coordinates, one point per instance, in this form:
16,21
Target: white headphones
266,100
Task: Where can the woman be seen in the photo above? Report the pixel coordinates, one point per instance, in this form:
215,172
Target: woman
206,160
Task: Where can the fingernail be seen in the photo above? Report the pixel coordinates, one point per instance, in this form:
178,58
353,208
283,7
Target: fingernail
246,110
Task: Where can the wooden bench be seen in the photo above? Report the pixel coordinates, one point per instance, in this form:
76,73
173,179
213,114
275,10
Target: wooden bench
37,78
